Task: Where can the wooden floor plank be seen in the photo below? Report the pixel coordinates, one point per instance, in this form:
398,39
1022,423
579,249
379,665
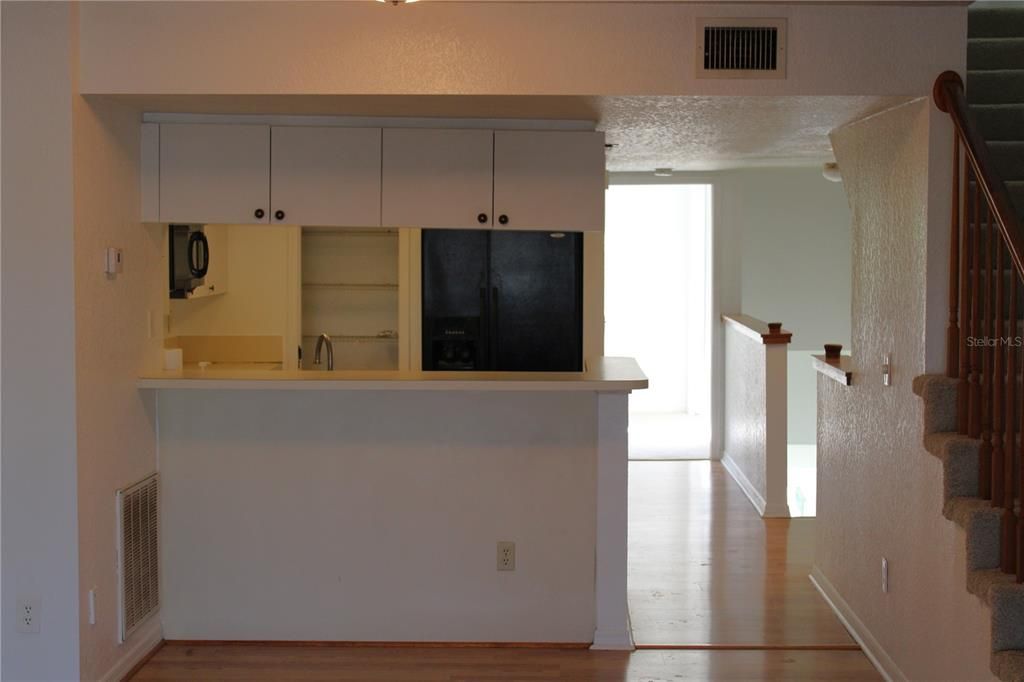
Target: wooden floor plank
229,663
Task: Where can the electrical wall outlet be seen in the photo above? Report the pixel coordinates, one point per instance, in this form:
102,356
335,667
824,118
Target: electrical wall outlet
885,574
506,556
28,615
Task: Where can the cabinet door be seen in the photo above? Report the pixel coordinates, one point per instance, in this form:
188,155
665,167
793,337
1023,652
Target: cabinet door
437,178
548,180
214,173
325,176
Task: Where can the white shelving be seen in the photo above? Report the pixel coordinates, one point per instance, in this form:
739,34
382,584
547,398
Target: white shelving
350,292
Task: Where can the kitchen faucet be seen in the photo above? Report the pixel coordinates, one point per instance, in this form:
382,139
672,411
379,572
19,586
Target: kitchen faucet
320,341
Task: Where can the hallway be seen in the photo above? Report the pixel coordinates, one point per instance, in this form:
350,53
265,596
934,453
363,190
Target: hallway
706,571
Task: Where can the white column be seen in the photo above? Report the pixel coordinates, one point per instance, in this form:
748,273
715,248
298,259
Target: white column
776,456
612,612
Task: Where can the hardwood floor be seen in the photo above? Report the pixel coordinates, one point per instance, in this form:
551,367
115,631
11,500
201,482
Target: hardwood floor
306,664
705,572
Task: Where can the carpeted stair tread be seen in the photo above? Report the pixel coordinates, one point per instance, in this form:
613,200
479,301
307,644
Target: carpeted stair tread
999,121
1007,601
1008,665
939,395
980,521
981,581
995,53
997,21
1008,158
959,456
995,87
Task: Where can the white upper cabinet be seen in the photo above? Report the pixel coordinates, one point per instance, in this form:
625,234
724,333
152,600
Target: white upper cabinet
437,178
548,180
212,173
325,176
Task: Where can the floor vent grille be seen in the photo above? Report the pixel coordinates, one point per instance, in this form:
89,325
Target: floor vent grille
741,48
138,555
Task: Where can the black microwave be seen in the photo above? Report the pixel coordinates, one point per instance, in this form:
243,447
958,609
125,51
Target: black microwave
188,258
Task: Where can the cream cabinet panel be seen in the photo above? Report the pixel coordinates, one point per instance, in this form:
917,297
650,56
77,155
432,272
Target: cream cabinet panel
437,178
548,180
325,176
214,173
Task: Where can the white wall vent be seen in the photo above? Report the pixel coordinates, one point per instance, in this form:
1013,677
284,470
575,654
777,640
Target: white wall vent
138,555
741,48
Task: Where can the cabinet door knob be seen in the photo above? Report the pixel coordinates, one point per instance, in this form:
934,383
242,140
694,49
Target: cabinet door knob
503,219
259,213
279,214
482,218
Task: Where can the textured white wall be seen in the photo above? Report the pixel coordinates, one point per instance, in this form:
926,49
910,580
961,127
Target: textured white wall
796,270
879,492
621,48
117,325
40,525
374,516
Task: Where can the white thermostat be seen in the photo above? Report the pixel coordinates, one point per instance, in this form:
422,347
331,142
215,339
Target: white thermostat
114,261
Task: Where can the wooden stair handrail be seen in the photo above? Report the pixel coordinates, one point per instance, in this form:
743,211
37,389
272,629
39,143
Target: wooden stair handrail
949,96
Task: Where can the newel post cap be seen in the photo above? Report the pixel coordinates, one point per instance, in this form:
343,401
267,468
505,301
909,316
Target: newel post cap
832,350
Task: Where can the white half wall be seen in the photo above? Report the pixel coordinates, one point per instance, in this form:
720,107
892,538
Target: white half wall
754,440
375,516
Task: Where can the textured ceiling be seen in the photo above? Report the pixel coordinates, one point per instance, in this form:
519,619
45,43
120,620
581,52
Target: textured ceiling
681,132
707,133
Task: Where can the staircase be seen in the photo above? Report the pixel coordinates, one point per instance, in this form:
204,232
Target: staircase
995,87
974,414
980,521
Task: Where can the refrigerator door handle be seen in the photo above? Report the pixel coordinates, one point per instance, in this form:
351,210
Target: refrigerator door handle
493,331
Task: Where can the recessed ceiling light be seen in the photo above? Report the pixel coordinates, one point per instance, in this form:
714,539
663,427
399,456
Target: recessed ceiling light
397,2
663,172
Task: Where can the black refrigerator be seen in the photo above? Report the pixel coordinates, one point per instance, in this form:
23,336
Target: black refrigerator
502,300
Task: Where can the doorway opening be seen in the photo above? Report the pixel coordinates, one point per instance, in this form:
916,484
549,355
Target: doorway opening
657,302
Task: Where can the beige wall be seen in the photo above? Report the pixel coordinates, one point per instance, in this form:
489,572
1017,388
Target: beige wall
117,333
879,492
796,270
617,48
39,458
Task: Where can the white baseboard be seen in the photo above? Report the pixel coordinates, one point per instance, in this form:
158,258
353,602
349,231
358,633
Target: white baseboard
744,483
771,511
886,667
142,641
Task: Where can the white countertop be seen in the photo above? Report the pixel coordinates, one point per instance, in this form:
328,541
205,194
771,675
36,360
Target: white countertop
603,375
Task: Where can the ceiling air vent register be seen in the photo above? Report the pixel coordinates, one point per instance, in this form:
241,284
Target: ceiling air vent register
741,48
138,542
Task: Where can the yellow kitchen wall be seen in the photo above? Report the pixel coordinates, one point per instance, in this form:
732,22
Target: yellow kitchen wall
261,266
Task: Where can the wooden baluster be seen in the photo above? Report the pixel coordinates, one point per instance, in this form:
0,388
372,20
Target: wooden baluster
974,386
962,403
988,329
1008,523
999,384
953,328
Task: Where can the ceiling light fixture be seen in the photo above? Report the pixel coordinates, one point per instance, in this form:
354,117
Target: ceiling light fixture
396,3
663,172
831,172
